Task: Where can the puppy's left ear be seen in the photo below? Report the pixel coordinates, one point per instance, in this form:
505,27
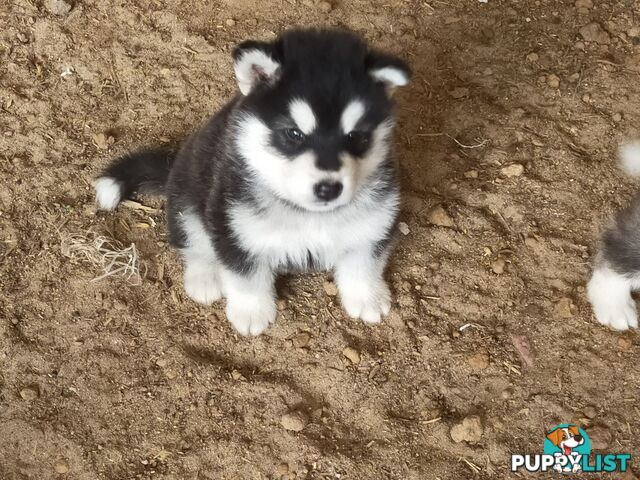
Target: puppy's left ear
388,70
255,63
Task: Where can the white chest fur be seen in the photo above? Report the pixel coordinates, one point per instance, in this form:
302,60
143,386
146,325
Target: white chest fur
285,238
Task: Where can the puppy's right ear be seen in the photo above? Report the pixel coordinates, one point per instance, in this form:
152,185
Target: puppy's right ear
255,63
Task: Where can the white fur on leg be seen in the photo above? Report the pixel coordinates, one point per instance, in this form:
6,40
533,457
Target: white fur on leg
108,193
610,295
201,280
251,304
363,291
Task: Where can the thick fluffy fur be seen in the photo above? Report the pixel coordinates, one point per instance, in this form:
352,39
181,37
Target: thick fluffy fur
617,267
295,173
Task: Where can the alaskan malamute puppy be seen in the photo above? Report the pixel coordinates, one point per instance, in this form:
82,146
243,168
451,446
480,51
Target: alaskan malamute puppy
293,174
617,266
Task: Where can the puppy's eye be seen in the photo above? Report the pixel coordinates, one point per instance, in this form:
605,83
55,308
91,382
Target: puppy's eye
294,135
358,140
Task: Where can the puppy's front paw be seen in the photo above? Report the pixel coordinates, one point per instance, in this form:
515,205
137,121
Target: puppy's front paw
366,302
202,286
251,315
609,294
620,316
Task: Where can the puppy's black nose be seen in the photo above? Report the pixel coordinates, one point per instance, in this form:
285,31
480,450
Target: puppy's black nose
327,191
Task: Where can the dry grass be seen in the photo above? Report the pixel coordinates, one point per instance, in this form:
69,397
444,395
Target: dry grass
106,254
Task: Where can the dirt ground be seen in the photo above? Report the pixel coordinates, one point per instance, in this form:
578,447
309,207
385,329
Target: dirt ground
510,126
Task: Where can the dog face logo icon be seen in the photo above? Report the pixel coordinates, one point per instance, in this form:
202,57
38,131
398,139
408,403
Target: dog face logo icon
567,443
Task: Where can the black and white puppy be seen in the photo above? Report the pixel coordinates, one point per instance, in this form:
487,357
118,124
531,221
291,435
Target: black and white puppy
617,266
293,174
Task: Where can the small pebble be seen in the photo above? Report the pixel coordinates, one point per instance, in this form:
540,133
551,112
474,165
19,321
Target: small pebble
479,360
533,57
281,304
326,7
593,32
469,430
513,170
283,469
404,228
617,117
230,22
564,308
301,340
439,216
553,81
589,411
61,466
352,355
584,4
58,7
624,344
471,174
330,288
29,393
294,421
497,266
459,92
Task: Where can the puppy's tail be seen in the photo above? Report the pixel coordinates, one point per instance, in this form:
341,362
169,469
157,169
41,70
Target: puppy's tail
143,171
630,158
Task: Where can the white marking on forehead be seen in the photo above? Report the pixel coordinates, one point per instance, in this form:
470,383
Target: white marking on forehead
302,114
351,115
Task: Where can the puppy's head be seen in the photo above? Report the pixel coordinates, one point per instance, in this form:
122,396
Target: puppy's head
316,118
566,438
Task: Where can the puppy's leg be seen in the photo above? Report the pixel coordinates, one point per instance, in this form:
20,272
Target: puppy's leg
610,295
201,278
363,290
251,302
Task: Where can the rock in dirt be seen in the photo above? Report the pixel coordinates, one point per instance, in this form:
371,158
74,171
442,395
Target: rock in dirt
459,92
404,228
523,347
301,340
58,7
593,32
471,174
29,393
61,466
479,360
497,266
590,411
624,344
513,170
600,437
326,7
230,22
352,355
533,57
564,308
469,430
330,288
294,421
553,81
584,4
439,216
